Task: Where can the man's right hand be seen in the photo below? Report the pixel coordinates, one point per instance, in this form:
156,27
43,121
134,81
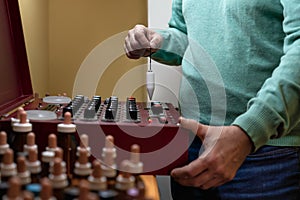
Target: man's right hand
140,41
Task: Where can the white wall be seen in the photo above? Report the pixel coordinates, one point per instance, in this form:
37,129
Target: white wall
167,78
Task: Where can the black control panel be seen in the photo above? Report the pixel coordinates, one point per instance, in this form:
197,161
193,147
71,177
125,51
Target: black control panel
113,110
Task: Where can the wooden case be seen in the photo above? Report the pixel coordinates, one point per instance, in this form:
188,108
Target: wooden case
16,90
15,87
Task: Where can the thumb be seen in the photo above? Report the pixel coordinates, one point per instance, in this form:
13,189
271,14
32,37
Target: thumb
155,40
197,128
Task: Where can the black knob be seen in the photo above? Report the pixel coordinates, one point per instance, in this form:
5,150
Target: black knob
89,112
132,114
109,114
68,109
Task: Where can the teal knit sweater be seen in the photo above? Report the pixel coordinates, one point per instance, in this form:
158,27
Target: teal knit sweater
241,65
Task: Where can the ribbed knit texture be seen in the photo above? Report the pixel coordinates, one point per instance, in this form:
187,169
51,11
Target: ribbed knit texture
241,65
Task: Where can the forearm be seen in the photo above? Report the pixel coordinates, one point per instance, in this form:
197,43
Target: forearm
175,38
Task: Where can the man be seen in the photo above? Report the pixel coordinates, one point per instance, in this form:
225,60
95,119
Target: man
240,95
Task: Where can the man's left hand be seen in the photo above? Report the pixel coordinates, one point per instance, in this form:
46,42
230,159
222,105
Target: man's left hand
224,150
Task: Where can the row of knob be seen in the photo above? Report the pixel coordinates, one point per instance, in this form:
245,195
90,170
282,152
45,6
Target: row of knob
92,108
111,104
76,104
131,109
111,110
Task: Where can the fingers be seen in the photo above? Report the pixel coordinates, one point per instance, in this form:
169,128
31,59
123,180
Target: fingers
225,149
189,171
140,40
198,174
189,124
194,126
136,42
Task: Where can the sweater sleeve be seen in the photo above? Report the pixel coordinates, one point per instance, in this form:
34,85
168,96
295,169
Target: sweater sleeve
275,110
174,38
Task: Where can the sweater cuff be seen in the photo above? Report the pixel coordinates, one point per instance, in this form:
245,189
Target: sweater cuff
171,52
259,123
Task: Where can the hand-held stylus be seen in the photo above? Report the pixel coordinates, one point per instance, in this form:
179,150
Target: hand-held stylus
150,79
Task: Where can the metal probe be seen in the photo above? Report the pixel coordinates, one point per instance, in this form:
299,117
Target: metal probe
150,79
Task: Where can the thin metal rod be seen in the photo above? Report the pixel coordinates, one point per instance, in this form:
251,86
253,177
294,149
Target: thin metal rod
150,62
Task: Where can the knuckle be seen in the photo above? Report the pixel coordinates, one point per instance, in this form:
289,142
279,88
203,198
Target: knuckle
139,26
220,171
210,162
226,176
139,29
130,33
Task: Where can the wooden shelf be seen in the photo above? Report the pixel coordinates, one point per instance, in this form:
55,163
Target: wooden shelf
152,191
